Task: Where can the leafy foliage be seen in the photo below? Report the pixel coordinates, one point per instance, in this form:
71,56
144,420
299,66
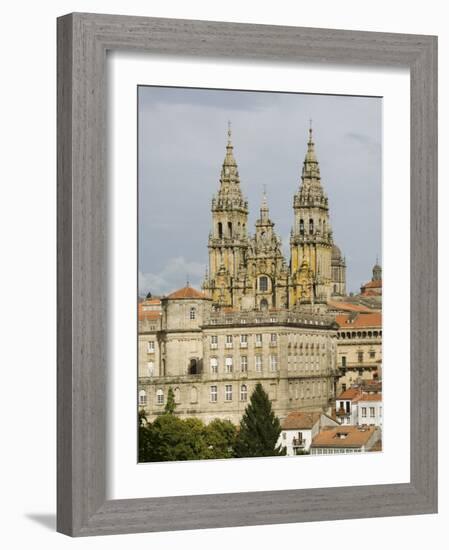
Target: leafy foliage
171,438
259,428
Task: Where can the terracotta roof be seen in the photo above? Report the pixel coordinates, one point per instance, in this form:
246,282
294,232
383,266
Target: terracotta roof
370,293
373,284
372,319
370,397
187,292
343,436
351,393
150,314
346,306
297,420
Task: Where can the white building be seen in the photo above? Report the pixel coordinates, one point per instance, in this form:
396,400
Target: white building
299,428
359,408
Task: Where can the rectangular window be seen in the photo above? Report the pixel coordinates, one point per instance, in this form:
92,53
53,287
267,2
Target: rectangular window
192,313
273,339
228,364
360,356
372,412
363,412
214,341
244,363
213,394
372,354
229,341
151,347
273,363
243,392
228,392
214,365
258,360
380,411
258,340
243,340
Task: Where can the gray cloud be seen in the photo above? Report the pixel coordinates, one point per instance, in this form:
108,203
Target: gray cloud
182,136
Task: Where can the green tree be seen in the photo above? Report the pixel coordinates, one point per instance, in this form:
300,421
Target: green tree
143,436
220,438
170,406
170,438
259,428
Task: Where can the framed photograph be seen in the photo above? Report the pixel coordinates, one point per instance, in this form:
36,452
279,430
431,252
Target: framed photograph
247,279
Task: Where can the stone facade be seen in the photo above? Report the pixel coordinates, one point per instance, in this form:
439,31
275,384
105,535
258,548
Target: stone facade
259,318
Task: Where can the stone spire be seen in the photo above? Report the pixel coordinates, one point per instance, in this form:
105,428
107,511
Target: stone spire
264,212
311,169
229,177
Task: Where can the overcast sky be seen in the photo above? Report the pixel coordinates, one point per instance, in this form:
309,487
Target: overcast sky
182,138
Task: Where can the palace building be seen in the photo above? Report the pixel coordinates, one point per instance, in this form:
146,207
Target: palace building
257,318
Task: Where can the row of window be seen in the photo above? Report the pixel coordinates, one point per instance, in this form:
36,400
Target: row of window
229,340
213,395
309,390
321,226
359,334
372,412
360,357
335,451
229,364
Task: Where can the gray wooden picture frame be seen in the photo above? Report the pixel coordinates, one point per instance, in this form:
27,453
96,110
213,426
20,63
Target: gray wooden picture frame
83,40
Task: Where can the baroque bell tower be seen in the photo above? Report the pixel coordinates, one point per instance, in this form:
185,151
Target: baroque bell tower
311,237
228,239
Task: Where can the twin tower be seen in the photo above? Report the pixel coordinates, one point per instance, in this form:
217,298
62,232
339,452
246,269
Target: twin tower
250,272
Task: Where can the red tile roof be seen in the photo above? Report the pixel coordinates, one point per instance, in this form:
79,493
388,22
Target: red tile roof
297,420
345,306
373,284
149,314
372,319
343,436
187,292
370,397
351,393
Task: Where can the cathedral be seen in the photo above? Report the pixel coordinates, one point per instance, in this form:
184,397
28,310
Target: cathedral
259,317
250,272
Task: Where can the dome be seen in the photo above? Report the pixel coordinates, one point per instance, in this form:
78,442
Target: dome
336,252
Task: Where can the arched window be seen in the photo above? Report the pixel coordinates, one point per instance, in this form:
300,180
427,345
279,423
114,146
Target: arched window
142,397
324,227
301,227
311,226
263,283
160,397
192,313
193,395
230,229
243,392
263,305
220,230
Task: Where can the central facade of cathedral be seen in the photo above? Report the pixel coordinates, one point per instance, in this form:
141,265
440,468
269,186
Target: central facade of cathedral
250,272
